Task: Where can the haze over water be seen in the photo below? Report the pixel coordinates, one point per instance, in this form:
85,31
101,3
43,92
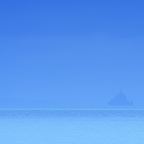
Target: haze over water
71,54
71,72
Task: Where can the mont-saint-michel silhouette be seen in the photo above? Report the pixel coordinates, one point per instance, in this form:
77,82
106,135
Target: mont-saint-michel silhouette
120,100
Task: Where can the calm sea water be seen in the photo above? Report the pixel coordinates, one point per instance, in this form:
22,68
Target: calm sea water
71,126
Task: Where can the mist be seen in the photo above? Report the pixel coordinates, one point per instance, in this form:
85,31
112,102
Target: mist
71,72
82,72
67,55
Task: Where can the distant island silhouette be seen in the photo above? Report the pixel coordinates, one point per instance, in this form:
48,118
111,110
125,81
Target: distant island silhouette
120,100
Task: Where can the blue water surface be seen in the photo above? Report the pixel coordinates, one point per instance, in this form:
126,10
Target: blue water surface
97,126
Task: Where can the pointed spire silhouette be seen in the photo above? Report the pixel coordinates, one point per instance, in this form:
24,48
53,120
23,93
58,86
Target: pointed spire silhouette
120,100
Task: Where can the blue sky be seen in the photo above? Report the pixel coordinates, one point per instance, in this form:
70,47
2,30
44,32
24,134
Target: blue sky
76,53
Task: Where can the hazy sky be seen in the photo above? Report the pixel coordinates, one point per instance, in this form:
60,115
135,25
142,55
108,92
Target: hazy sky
77,53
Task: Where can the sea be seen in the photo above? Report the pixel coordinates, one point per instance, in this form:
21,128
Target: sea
71,126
